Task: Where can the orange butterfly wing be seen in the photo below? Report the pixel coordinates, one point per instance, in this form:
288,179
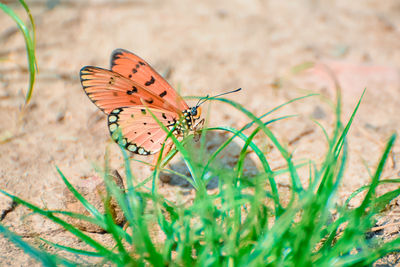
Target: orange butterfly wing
139,132
110,90
138,70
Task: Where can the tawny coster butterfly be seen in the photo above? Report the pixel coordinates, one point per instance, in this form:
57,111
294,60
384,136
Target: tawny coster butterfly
127,93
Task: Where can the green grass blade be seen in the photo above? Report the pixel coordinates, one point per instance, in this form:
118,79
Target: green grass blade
342,137
360,220
112,229
365,187
378,173
323,130
297,187
72,250
94,221
70,228
89,207
277,108
382,201
253,122
31,20
242,154
269,173
369,256
45,258
133,213
80,217
29,43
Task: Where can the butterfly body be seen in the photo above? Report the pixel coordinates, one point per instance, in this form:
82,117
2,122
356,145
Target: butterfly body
131,93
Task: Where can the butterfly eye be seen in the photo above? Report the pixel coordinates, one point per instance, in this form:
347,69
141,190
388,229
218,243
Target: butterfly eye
196,112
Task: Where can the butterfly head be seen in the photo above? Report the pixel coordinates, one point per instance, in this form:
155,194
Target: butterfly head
190,115
195,112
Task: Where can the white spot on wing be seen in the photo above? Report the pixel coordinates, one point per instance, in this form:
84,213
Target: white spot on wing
132,148
112,118
113,127
122,142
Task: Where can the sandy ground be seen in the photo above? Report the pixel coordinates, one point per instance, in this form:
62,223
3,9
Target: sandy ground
207,47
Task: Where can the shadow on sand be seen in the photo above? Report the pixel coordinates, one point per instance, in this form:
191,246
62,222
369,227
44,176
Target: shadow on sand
226,160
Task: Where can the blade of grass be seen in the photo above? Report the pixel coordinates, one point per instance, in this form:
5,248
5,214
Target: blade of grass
29,43
45,258
32,22
377,175
269,173
248,125
70,228
359,220
340,142
242,155
133,213
359,190
382,201
72,250
368,257
89,207
295,178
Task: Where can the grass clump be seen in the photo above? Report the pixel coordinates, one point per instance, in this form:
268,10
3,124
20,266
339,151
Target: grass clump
245,223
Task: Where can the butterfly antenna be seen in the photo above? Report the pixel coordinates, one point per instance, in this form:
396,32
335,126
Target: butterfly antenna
204,99
198,102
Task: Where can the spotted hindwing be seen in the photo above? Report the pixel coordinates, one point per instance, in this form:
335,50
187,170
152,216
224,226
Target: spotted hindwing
137,131
138,70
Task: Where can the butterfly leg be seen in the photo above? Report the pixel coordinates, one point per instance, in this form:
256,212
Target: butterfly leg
197,130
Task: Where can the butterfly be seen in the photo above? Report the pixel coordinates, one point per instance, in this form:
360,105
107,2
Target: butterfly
131,93
128,94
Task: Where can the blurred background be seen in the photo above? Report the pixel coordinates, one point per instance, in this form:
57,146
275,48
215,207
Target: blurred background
274,50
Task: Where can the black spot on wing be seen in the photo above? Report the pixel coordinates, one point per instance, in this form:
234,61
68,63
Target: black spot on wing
111,81
163,94
134,90
149,101
152,80
163,115
142,63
